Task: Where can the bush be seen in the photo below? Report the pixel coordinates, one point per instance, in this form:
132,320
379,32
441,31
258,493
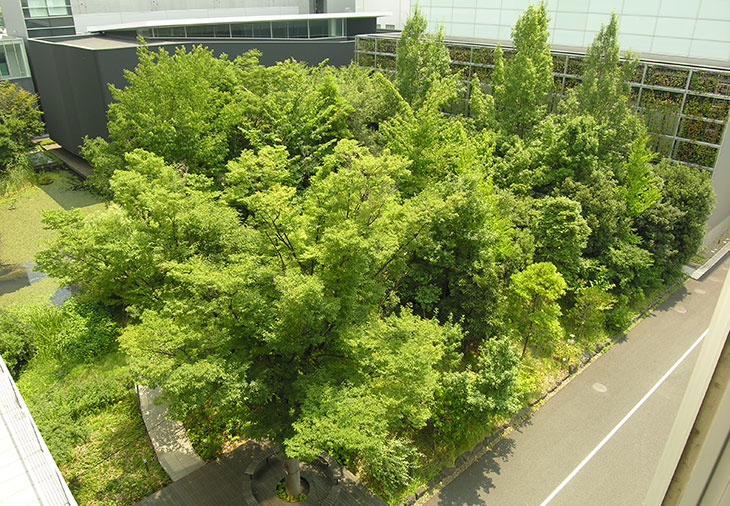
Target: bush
78,332
19,122
61,397
16,176
17,345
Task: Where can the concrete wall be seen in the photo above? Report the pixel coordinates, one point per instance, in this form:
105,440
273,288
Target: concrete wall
102,6
84,21
340,6
13,17
399,9
72,81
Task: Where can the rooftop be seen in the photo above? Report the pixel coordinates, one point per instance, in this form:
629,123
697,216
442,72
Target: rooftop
161,23
28,473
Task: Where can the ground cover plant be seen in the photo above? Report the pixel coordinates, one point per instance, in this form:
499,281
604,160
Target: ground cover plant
66,362
322,257
79,390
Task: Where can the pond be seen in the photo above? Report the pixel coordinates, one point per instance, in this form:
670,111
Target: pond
14,277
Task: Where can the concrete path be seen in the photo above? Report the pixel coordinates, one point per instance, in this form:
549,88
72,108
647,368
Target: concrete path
529,464
171,443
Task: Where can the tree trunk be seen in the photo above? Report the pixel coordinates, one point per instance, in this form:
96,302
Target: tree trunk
293,478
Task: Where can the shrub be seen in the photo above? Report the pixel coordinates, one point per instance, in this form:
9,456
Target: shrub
17,345
78,332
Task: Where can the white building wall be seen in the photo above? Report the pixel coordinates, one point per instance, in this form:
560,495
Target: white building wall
399,9
684,29
113,12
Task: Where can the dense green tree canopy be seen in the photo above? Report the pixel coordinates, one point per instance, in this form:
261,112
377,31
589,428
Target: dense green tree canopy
522,84
322,257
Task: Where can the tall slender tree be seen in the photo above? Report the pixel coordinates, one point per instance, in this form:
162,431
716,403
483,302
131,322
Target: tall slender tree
522,88
422,58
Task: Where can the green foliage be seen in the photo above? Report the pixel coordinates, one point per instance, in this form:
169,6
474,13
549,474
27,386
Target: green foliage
373,100
589,313
19,123
17,339
673,229
534,312
422,60
18,175
347,268
89,417
604,94
641,190
561,235
481,105
482,390
175,105
76,333
523,83
426,137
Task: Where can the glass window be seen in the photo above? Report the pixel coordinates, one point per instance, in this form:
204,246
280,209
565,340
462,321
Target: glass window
222,31
298,30
12,60
37,23
51,32
318,28
169,31
4,69
242,30
58,8
262,30
280,29
336,28
64,21
201,31
36,12
45,8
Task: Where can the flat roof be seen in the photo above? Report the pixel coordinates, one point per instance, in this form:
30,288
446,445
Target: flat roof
162,23
28,473
94,42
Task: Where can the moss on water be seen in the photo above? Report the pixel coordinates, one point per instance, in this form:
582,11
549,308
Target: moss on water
37,293
22,233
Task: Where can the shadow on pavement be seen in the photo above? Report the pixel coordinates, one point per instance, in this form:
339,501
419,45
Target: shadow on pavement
461,491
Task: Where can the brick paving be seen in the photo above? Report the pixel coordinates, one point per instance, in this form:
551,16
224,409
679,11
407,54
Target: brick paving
221,483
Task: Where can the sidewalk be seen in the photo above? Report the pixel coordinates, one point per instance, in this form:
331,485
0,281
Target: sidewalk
77,164
174,450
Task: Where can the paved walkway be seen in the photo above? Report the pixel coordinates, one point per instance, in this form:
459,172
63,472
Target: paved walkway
221,482
77,164
171,443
